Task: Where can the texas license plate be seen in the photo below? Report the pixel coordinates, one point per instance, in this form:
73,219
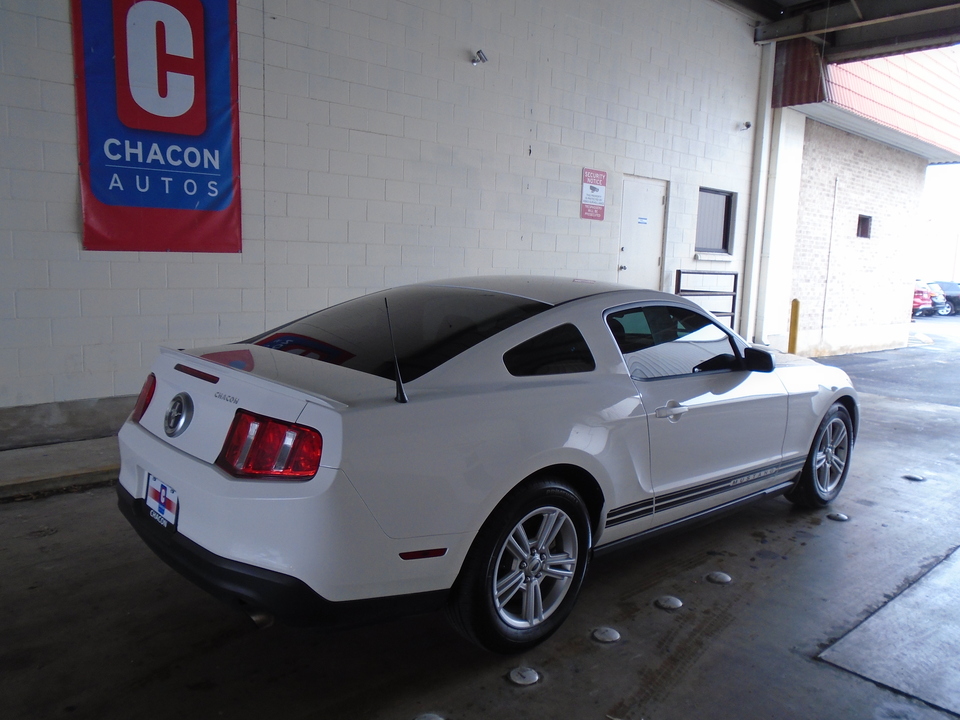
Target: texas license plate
162,501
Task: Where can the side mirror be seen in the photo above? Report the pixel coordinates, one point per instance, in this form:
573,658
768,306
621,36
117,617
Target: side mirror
757,360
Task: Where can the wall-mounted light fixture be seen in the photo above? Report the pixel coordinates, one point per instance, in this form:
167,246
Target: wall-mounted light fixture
479,58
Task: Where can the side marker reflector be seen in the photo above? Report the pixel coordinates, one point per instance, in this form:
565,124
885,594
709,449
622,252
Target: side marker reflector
422,554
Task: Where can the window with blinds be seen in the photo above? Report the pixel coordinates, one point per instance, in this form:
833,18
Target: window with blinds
715,221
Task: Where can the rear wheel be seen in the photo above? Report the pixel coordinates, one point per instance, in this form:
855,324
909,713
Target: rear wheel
524,571
828,462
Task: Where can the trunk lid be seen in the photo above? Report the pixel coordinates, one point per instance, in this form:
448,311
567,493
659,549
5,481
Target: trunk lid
207,386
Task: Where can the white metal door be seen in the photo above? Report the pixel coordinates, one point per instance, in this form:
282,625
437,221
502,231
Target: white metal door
641,232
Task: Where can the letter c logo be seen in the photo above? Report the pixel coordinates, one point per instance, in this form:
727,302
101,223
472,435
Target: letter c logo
160,71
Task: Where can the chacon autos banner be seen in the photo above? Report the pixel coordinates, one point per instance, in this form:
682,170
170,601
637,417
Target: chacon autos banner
158,117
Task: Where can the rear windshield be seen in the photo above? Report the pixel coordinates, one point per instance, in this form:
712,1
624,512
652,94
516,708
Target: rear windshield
430,326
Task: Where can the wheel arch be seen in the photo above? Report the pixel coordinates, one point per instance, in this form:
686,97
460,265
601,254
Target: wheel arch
854,410
469,607
583,482
579,479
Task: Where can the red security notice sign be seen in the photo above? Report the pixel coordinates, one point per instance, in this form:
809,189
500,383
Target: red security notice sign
593,199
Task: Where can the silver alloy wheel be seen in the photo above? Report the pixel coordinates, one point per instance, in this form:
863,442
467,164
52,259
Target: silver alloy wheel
831,456
535,567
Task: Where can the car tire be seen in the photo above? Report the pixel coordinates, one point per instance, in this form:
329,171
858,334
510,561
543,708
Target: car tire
945,309
523,573
828,463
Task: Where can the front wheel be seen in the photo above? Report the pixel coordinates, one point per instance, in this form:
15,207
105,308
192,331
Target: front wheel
828,462
524,571
945,309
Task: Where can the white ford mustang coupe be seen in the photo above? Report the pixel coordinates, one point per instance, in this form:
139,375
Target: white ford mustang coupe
466,444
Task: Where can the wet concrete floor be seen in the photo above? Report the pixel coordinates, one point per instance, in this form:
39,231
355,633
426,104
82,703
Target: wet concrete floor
904,644
92,625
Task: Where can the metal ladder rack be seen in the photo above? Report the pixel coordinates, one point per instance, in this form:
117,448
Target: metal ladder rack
712,284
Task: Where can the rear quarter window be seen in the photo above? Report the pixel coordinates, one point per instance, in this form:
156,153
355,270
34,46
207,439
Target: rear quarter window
559,351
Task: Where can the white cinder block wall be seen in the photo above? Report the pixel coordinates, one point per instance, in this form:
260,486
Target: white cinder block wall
373,154
838,276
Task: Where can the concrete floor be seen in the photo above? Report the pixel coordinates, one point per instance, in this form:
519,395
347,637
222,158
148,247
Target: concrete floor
94,626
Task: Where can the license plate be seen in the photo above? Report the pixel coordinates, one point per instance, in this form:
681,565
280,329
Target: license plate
162,501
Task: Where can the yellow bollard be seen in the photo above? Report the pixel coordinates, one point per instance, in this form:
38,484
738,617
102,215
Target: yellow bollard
794,326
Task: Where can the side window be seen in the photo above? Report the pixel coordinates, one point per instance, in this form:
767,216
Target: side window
555,352
663,341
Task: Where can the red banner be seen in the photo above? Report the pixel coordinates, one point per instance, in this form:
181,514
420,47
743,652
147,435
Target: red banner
158,124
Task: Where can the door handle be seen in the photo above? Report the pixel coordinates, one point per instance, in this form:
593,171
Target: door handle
671,411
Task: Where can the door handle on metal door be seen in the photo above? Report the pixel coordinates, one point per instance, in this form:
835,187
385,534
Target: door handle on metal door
672,411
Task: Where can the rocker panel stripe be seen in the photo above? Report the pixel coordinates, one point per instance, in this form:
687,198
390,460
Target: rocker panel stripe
648,507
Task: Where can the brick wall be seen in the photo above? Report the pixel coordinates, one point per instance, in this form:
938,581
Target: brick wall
855,293
373,154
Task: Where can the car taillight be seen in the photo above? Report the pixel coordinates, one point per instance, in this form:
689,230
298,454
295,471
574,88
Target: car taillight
143,400
260,447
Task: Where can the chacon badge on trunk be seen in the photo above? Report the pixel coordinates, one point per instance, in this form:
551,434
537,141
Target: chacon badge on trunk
179,414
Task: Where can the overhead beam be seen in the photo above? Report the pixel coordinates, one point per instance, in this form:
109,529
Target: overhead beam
850,15
844,49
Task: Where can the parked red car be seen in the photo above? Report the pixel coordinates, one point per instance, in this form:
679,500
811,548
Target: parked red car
929,300
922,300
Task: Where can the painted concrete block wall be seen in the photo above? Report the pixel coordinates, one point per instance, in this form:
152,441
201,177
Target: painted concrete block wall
373,154
858,290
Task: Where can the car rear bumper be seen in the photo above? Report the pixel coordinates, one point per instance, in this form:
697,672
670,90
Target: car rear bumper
257,590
